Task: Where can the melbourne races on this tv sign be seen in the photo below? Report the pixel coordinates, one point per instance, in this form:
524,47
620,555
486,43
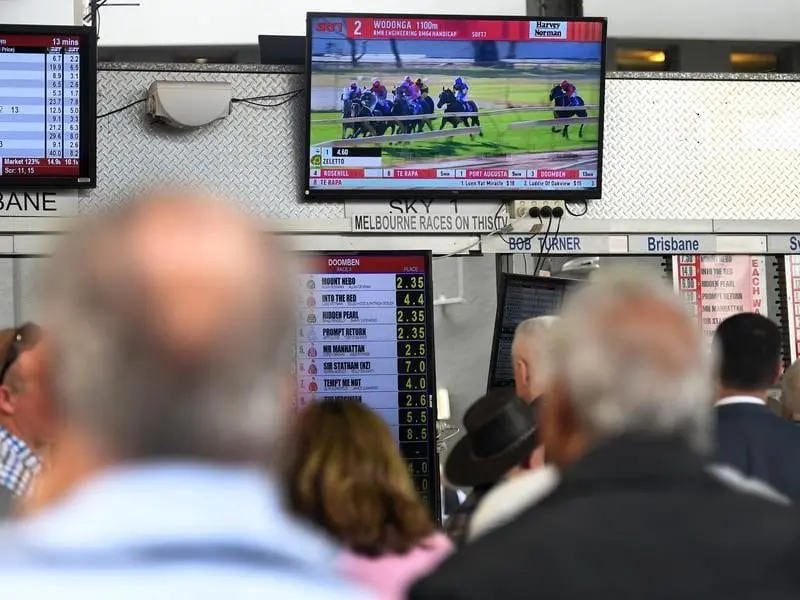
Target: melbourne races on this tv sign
452,104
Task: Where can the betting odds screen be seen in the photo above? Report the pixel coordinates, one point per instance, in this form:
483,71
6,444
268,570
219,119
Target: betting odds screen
43,128
521,297
366,334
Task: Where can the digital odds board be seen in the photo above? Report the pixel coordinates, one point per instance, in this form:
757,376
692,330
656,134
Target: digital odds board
366,334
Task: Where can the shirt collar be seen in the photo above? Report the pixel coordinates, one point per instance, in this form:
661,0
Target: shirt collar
18,463
740,400
154,504
22,450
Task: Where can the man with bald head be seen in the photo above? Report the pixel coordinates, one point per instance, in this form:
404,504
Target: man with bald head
529,356
170,320
628,423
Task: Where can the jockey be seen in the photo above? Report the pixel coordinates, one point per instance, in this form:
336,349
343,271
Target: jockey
413,89
351,93
570,91
380,92
461,89
423,89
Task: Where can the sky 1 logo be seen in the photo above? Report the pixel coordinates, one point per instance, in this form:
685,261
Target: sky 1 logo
327,27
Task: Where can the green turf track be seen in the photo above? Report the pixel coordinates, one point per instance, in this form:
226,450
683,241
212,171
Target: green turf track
498,139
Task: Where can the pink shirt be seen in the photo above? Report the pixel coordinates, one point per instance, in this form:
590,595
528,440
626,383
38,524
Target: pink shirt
391,575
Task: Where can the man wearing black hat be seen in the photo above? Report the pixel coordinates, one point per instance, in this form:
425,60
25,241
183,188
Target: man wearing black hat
500,437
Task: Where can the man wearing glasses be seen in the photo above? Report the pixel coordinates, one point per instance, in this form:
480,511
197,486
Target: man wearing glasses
24,411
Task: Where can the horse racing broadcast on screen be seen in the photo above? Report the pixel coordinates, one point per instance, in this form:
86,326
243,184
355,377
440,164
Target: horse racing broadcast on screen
465,106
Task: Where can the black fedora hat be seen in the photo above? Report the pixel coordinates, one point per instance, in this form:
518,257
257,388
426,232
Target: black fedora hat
501,432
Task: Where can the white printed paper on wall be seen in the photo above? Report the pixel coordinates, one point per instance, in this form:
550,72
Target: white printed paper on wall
720,286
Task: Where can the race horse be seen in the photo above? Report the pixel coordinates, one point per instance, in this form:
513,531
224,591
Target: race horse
560,99
365,108
360,109
425,106
347,110
452,105
401,107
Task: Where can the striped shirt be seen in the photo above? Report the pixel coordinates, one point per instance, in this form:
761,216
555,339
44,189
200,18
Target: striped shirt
18,464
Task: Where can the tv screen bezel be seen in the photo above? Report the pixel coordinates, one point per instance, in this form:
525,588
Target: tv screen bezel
87,177
503,281
317,194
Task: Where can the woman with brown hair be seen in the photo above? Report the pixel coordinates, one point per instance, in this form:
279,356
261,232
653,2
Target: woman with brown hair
347,476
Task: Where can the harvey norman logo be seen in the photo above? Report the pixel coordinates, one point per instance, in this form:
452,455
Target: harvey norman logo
554,30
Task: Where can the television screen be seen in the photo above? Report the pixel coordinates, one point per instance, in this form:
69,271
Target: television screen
521,297
366,334
47,106
454,106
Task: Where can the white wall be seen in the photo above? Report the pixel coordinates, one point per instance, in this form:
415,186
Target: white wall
228,22
773,20
200,22
212,22
38,12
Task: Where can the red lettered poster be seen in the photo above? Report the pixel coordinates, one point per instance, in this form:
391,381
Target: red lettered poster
793,302
719,286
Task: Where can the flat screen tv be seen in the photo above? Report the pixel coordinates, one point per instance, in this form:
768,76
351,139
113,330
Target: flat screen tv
520,297
454,106
47,106
366,335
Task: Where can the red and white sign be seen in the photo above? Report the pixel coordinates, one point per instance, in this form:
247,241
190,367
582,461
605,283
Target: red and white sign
460,30
793,302
721,286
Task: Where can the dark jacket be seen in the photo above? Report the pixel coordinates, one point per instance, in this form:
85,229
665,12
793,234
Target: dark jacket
634,519
457,525
760,444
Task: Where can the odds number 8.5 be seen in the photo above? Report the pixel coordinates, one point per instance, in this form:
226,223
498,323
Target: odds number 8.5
520,243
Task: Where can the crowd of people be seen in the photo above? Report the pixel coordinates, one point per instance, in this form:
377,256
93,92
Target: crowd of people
148,448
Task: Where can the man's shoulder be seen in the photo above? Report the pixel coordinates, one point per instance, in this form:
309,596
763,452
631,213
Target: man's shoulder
510,498
779,430
565,529
178,581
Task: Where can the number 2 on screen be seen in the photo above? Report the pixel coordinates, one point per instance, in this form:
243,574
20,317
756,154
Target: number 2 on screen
357,29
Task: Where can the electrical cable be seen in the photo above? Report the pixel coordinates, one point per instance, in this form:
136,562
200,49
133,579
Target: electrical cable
92,17
268,96
549,249
275,105
574,214
121,108
286,98
544,242
498,232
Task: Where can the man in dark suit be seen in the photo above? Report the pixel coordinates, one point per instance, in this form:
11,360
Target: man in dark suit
637,513
750,436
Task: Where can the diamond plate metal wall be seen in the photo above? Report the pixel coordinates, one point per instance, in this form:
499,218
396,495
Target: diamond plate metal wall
675,147
712,149
251,156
